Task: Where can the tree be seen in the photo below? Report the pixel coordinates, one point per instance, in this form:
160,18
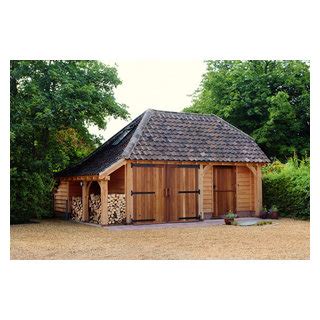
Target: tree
52,105
269,100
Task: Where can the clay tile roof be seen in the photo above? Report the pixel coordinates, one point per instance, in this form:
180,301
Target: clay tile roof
163,135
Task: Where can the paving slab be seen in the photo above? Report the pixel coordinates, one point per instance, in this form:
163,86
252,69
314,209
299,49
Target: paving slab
205,223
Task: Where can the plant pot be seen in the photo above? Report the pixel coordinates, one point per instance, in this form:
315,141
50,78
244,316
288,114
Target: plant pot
228,221
274,215
263,214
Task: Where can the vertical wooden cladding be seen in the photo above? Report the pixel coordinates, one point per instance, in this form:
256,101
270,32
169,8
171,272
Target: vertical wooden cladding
224,190
182,200
163,193
242,183
246,187
148,193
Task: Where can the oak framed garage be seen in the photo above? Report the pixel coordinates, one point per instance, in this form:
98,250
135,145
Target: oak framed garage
169,167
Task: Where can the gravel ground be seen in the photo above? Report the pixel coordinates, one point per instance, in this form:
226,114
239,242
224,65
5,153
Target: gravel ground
54,239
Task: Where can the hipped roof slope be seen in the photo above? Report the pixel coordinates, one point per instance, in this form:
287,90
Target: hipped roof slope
176,136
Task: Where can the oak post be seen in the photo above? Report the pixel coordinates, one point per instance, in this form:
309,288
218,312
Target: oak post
129,188
201,213
85,201
104,201
237,189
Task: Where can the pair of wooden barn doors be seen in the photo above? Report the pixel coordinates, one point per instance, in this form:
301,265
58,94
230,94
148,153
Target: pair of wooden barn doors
165,192
170,193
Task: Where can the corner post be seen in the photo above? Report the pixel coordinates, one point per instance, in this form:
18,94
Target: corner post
258,191
129,188
201,171
85,201
236,189
104,202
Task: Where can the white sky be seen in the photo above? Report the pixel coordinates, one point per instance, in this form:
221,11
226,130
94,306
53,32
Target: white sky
156,84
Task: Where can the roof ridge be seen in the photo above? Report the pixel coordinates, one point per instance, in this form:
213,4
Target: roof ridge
206,115
137,134
187,113
231,125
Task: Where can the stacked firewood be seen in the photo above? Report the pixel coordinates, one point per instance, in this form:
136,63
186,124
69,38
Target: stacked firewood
77,209
116,208
94,208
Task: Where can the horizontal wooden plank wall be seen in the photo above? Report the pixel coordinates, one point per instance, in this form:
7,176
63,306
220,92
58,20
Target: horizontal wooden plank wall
61,196
258,190
253,191
208,204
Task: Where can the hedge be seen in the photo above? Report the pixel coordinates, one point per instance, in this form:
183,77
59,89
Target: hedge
287,186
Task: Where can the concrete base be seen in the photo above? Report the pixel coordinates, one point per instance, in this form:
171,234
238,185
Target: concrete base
205,223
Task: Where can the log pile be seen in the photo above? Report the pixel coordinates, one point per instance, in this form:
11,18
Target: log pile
94,208
76,209
116,208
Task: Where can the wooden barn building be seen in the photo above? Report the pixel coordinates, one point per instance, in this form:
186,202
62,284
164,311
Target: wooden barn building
166,167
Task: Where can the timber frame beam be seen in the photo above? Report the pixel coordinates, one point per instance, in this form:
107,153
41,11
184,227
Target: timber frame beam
85,178
252,169
198,163
112,168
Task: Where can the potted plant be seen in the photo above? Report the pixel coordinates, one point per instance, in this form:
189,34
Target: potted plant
264,213
274,212
229,218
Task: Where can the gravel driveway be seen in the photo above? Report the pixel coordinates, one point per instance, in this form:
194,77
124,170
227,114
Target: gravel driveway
54,239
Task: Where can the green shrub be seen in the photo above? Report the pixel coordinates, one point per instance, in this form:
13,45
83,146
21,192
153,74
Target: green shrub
30,196
263,223
287,186
230,215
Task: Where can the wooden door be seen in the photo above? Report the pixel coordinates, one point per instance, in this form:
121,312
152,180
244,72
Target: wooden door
224,189
182,192
148,193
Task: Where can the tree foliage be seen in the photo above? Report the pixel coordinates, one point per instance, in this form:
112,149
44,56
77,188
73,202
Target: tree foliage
52,105
268,100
